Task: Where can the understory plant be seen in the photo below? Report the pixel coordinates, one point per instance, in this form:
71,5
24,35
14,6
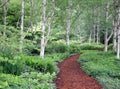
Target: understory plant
103,66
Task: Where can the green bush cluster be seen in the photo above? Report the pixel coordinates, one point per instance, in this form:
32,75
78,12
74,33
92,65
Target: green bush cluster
43,65
102,65
32,80
87,46
56,48
62,48
25,72
59,47
11,66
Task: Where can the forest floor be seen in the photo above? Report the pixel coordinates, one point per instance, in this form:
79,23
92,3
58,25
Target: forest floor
71,76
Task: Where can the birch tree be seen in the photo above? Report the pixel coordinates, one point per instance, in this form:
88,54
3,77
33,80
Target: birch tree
5,13
68,23
46,21
115,24
107,37
22,26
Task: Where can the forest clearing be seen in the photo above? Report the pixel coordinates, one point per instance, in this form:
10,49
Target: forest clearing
59,44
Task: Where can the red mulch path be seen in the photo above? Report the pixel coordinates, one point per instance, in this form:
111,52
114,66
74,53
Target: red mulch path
71,76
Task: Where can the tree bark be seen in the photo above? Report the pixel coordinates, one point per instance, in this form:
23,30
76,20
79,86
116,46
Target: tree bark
22,27
106,29
90,37
43,29
94,33
98,27
44,22
31,13
117,26
68,24
118,48
4,3
115,36
67,29
5,13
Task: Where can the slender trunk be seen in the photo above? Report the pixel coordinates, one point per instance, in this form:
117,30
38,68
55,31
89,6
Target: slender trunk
114,36
79,35
43,30
43,40
97,36
106,29
118,48
31,14
5,13
22,27
117,25
68,24
68,28
98,27
4,3
94,33
90,37
106,41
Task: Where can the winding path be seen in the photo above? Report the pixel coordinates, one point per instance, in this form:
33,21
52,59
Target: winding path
71,76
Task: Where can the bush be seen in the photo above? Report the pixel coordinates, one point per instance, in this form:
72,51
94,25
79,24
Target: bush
32,80
56,48
44,65
11,66
74,48
87,46
7,52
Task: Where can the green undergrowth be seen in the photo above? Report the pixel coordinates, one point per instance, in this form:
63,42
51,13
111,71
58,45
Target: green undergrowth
103,66
59,47
29,72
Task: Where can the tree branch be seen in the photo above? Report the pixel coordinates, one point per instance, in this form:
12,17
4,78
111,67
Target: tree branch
110,35
4,3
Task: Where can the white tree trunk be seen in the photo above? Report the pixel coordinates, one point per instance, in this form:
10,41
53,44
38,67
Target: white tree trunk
94,33
68,23
106,29
31,14
98,27
22,27
43,30
90,37
115,36
5,13
50,20
118,45
68,28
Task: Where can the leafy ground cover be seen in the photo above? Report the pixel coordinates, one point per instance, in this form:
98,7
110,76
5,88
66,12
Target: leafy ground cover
25,72
103,66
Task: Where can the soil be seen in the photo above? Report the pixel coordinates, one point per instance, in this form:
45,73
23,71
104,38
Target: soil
71,76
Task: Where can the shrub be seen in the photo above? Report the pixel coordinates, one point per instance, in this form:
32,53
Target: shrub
56,48
7,52
11,66
43,65
74,48
87,46
34,80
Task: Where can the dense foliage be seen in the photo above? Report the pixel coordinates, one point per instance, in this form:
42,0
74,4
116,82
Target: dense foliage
24,72
102,66
86,24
